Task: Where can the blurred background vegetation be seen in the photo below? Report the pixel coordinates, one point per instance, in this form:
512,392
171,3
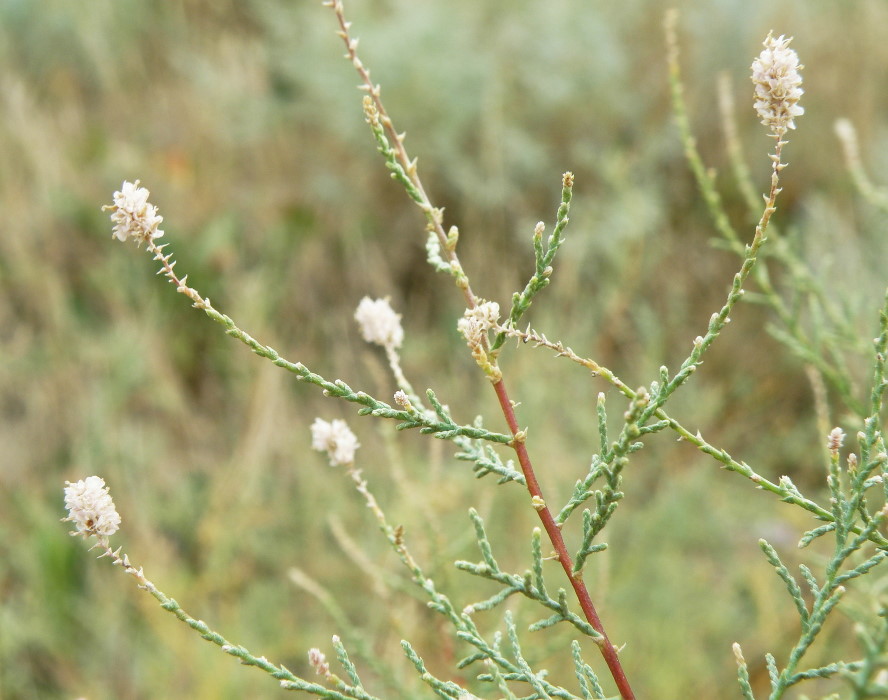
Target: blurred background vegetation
243,120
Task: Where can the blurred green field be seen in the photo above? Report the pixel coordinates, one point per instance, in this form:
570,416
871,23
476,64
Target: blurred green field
243,120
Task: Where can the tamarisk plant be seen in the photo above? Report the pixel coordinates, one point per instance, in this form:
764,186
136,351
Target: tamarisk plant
852,516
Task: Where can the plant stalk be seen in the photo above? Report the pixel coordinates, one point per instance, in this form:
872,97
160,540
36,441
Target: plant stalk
608,651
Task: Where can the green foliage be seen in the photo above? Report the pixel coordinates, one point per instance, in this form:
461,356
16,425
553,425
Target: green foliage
544,256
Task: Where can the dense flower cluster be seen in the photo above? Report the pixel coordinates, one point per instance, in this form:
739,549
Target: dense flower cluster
379,323
133,215
775,74
336,439
477,321
91,508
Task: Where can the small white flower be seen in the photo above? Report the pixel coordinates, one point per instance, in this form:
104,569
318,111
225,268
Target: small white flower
775,74
476,322
379,323
133,215
318,662
335,439
91,508
835,440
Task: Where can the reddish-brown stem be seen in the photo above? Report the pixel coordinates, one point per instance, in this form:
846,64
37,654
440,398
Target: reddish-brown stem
608,651
552,529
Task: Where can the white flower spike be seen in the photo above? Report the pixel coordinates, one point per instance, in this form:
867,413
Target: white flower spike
91,508
133,215
379,323
775,74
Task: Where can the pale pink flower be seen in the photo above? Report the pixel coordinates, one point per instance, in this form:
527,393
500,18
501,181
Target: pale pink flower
835,440
318,662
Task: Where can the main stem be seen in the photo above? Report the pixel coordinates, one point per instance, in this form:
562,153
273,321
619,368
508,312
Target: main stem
397,140
608,651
